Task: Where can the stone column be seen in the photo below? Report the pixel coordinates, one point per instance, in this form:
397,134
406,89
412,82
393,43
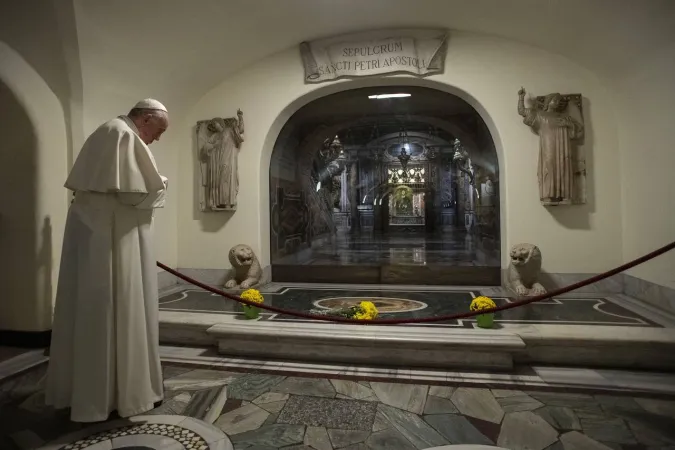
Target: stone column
353,197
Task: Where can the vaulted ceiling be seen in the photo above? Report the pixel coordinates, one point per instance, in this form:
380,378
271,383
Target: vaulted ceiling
180,49
184,48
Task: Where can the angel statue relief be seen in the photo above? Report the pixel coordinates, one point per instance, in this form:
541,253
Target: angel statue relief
557,131
218,143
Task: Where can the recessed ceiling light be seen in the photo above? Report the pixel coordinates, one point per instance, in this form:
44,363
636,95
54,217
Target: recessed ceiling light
380,96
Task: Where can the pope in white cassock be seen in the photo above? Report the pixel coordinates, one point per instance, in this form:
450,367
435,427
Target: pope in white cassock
104,353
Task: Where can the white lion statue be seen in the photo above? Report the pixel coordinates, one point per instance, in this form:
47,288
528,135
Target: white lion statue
246,270
524,270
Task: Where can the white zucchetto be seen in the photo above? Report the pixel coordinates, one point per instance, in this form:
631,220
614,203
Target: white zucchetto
150,103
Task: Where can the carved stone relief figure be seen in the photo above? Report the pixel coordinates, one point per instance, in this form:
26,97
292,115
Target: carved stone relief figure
524,270
559,133
218,142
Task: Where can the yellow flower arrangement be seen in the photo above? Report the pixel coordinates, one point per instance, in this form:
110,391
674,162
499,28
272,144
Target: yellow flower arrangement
482,303
365,311
252,295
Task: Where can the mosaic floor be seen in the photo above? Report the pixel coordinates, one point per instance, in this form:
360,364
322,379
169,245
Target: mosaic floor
415,303
455,248
270,412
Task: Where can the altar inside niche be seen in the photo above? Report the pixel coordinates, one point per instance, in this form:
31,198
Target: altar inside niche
407,197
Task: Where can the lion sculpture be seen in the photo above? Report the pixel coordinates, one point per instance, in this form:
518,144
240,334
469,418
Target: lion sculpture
245,267
524,270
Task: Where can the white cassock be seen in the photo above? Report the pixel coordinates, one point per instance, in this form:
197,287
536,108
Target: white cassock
104,352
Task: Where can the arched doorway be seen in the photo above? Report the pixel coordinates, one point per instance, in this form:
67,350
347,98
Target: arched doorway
393,185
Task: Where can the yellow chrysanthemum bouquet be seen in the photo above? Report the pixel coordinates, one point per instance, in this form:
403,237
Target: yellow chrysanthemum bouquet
252,295
482,304
365,310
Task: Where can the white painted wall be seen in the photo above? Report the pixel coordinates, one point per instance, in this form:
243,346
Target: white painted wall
487,72
646,98
106,96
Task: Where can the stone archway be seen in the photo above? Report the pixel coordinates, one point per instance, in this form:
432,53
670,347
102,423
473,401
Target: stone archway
303,219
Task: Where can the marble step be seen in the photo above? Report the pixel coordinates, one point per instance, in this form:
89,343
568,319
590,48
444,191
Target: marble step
615,347
387,345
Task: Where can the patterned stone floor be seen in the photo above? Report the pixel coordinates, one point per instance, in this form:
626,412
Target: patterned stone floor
270,412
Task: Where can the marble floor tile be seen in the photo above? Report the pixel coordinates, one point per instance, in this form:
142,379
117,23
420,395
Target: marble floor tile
505,393
317,438
389,439
270,397
656,406
478,403
522,402
380,423
577,441
196,380
526,430
249,387
438,405
560,417
608,430
409,397
352,389
418,432
457,429
441,391
345,438
275,436
246,418
317,387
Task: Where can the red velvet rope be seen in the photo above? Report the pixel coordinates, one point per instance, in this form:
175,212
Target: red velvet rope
464,315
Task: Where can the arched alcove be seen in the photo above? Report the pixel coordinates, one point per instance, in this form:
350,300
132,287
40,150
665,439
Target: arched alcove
33,209
368,186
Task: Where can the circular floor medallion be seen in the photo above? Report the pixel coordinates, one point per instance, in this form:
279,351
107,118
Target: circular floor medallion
384,305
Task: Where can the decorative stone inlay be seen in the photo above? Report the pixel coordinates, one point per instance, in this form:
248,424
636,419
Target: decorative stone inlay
409,397
577,441
188,438
478,403
383,304
344,438
329,413
527,431
316,387
317,438
246,418
560,417
457,429
412,427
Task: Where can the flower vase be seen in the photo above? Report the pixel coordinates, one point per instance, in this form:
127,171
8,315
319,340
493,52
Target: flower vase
251,312
485,320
